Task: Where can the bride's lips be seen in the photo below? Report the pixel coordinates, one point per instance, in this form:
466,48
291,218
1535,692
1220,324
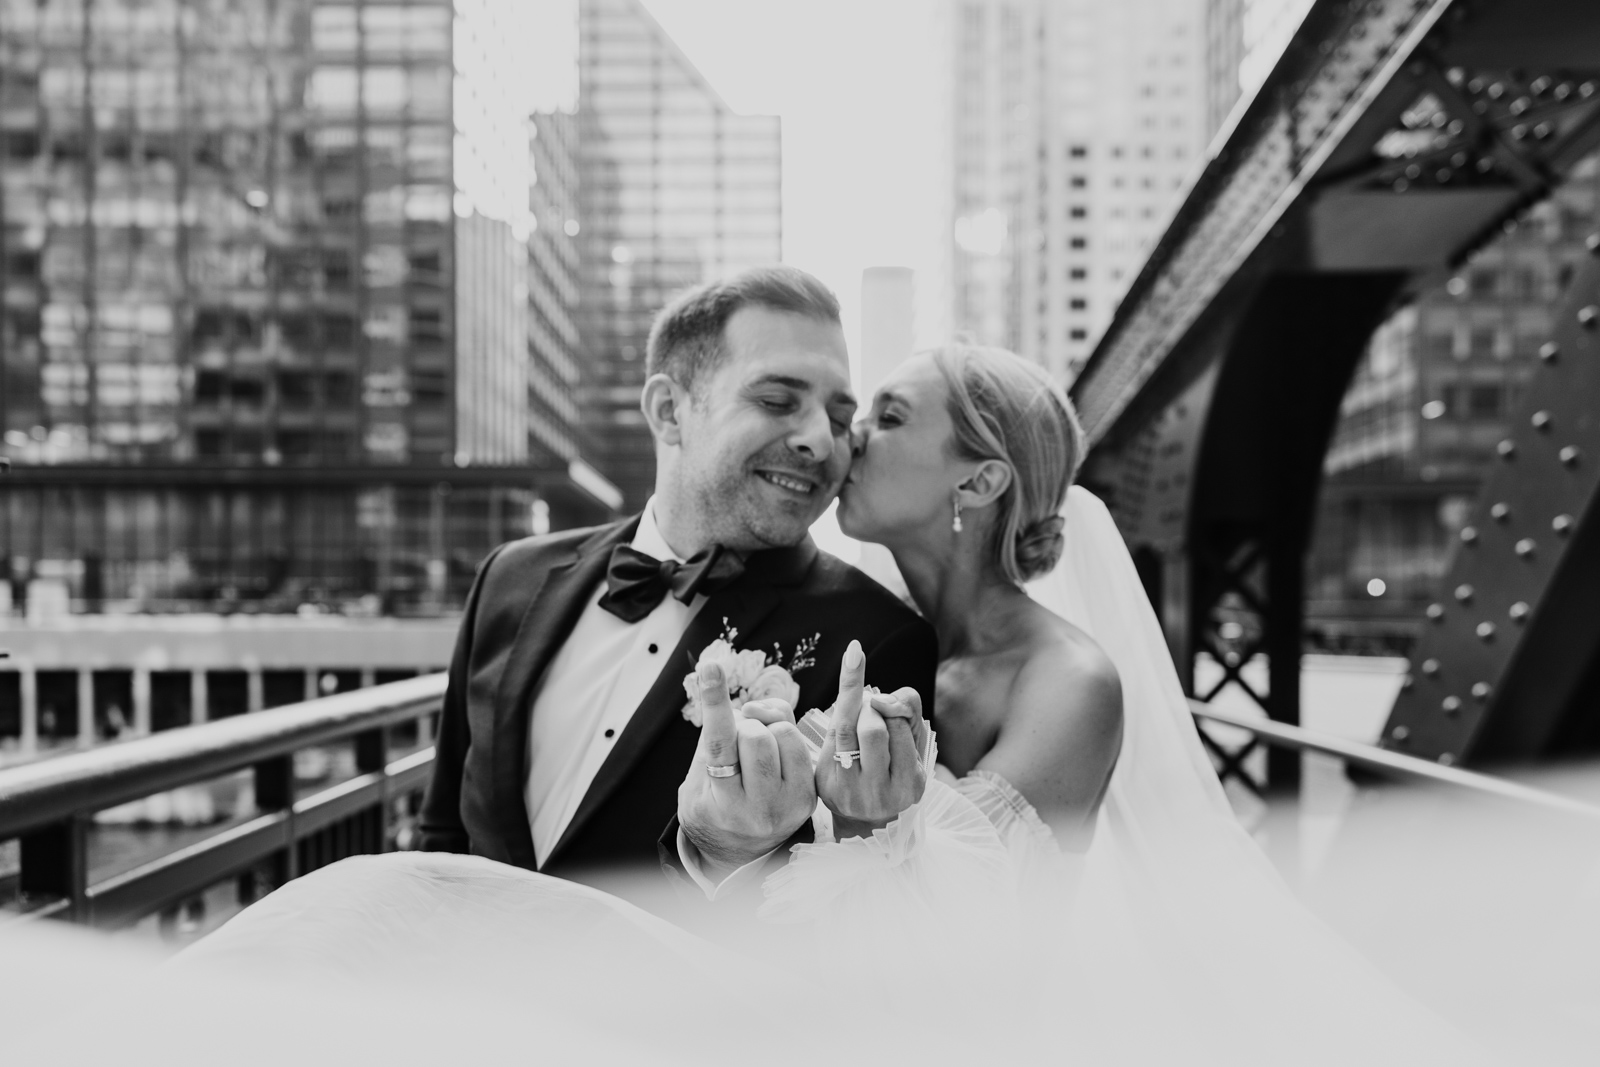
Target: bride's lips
799,484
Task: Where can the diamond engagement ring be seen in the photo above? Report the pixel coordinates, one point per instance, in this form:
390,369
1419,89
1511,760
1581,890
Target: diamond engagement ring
847,758
723,772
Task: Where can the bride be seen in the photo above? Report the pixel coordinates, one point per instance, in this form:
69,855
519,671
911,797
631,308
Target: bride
1054,872
961,469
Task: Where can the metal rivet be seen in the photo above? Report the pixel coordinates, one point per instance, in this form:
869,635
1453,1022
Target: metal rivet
1549,351
1400,733
1446,758
1430,667
1500,512
1469,534
1524,547
1506,448
1436,612
1486,631
1450,704
1569,455
1561,524
1540,420
1592,243
1407,681
1464,593
1519,611
1480,690
1588,316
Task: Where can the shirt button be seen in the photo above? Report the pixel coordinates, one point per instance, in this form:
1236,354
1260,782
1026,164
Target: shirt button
653,648
611,733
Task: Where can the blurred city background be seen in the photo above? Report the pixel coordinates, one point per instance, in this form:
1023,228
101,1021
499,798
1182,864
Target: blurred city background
308,304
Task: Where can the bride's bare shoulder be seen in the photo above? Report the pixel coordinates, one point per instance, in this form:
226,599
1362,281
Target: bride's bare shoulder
1063,724
1067,675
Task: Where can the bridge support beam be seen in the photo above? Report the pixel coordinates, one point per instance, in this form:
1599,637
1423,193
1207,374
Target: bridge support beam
1227,482
1508,668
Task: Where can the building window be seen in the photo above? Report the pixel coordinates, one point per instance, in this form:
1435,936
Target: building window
1078,335
1078,181
1078,303
1485,401
209,385
1077,274
1438,345
1077,243
1079,212
1078,151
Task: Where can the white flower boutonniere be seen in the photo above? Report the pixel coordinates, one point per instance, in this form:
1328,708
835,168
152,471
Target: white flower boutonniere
751,673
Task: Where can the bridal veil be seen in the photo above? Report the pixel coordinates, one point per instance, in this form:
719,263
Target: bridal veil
1176,896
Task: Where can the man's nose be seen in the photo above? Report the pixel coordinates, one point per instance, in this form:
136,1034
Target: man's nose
858,438
813,437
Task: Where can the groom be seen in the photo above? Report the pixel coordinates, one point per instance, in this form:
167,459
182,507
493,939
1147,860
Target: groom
563,739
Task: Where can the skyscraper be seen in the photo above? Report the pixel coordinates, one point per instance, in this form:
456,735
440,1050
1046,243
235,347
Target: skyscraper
266,335
994,158
554,370
888,320
675,188
1075,126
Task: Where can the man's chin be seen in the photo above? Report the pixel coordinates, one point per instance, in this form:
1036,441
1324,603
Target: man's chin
782,525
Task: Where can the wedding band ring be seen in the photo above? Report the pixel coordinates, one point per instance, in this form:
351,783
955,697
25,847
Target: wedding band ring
723,772
848,757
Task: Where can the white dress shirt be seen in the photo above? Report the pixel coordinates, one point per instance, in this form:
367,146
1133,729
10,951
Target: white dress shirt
589,693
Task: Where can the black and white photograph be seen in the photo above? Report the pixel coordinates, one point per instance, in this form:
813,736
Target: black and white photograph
730,532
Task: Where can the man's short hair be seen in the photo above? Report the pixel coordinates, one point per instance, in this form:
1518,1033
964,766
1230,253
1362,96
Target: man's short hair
686,338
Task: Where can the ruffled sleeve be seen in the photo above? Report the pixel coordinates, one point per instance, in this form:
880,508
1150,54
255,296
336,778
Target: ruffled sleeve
966,852
941,852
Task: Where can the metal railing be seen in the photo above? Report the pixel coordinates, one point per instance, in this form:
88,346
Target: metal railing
1392,764
49,806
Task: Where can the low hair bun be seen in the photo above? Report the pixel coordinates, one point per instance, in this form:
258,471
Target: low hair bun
1039,546
1006,408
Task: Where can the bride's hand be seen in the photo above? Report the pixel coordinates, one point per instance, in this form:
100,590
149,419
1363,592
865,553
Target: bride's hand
886,777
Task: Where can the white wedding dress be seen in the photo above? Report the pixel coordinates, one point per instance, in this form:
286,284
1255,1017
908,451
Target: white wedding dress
961,933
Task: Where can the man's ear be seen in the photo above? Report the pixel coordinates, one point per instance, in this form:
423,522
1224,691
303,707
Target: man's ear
985,485
663,403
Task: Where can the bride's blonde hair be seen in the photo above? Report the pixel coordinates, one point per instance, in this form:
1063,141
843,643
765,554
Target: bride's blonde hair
1009,409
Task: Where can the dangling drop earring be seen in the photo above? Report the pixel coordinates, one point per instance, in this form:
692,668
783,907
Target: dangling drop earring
956,525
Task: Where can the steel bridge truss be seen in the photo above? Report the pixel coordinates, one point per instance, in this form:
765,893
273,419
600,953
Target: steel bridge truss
1393,139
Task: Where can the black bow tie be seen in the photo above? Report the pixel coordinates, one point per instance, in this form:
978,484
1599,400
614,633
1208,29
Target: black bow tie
637,583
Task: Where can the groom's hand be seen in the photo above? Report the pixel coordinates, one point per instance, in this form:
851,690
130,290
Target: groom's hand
733,818
886,776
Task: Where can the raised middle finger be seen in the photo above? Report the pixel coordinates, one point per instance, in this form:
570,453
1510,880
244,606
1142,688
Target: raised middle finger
847,709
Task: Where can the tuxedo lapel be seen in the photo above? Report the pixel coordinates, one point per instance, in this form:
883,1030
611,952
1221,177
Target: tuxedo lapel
743,606
552,611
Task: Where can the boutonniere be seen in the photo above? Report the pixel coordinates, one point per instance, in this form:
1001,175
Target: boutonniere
752,674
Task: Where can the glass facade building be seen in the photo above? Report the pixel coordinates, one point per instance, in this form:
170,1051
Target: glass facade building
675,189
1075,125
267,336
555,371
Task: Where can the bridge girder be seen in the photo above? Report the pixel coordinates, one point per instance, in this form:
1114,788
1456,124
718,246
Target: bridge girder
1393,139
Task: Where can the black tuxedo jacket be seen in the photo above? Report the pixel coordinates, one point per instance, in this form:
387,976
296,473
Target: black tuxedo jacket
524,603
